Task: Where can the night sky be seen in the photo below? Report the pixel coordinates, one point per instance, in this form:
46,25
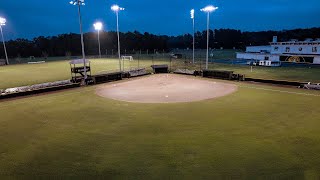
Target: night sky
28,19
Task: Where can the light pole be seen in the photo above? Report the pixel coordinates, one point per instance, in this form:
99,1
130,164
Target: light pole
80,3
98,27
2,23
192,17
116,9
208,10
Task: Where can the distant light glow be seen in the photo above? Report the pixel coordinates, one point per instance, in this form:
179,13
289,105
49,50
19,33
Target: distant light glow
2,21
209,9
116,8
98,26
77,2
192,13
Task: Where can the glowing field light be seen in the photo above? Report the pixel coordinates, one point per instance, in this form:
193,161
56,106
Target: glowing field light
80,3
209,9
192,13
77,2
2,21
116,8
98,26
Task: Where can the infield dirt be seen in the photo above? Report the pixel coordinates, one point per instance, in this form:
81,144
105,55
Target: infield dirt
165,88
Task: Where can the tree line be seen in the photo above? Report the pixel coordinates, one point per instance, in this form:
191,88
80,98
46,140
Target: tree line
134,42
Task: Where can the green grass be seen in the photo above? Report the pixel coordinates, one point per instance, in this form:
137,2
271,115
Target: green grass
28,74
302,74
225,54
251,134
218,54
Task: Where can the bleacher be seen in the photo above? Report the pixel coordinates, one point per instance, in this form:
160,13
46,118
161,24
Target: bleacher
36,89
163,68
135,73
311,86
184,71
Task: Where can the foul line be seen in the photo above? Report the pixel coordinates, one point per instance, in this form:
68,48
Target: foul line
288,92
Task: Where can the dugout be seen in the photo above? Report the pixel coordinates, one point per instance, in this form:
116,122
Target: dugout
218,74
157,69
135,73
102,78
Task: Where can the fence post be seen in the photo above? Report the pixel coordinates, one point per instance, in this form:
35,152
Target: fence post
170,63
200,63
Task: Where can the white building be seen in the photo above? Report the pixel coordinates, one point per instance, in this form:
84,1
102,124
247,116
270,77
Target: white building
307,51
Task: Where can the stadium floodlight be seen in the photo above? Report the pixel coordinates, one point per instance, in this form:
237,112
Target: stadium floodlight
116,9
76,2
98,27
192,13
192,17
208,10
80,3
3,22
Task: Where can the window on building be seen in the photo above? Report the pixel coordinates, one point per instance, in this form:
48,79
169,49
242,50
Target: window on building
314,49
276,48
266,58
287,49
300,49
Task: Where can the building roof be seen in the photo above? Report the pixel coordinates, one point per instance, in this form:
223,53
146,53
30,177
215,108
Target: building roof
308,41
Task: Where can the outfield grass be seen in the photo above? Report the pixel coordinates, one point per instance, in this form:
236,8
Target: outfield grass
302,74
28,74
251,134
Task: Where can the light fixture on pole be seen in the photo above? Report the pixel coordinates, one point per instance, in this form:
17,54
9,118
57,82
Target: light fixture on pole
116,9
98,27
80,3
2,23
193,42
208,10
